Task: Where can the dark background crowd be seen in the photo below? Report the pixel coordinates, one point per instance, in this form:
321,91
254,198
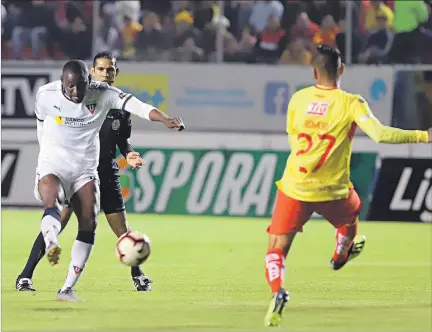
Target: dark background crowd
271,31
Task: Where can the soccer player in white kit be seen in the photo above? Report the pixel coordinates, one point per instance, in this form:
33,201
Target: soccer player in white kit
70,113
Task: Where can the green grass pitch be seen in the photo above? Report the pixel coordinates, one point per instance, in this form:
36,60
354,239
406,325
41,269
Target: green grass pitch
208,276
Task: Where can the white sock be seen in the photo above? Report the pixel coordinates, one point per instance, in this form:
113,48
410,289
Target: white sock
80,255
50,228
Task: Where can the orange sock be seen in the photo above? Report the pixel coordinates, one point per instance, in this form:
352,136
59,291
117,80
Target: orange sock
275,268
344,238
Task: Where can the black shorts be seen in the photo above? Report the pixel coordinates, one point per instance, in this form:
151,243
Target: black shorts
111,198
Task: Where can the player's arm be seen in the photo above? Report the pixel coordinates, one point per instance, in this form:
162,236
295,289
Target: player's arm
131,104
125,133
365,119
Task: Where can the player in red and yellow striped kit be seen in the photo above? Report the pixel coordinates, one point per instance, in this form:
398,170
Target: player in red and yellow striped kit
321,123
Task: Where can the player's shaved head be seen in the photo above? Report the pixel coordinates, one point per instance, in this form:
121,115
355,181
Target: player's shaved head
76,66
328,62
75,80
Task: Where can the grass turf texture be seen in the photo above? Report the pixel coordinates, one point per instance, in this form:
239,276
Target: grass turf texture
208,275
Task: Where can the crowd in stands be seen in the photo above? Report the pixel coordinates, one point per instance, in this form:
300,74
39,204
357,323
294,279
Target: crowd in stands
270,31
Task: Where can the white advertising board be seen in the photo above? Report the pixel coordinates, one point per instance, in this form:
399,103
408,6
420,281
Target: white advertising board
208,97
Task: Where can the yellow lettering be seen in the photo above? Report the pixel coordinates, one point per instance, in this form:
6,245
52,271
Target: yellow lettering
321,125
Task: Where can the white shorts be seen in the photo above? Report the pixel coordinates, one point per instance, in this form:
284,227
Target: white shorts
70,184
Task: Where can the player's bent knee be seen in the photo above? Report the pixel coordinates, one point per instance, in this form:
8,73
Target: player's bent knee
87,224
86,237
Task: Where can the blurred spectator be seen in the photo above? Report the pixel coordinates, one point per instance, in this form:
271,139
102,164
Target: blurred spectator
327,33
296,54
426,115
34,19
318,9
184,29
208,39
238,13
3,17
271,42
74,36
408,17
375,9
204,13
292,9
261,13
129,34
153,42
180,5
304,28
356,42
188,52
379,43
159,7
243,50
247,41
107,35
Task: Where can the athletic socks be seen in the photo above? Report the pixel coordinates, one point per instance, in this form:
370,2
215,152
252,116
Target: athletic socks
275,269
136,271
50,226
36,254
344,238
81,251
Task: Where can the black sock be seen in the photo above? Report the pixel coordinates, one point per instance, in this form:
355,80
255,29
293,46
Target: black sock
136,271
36,254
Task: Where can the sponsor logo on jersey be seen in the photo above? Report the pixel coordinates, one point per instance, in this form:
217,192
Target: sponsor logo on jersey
59,120
72,122
317,108
91,108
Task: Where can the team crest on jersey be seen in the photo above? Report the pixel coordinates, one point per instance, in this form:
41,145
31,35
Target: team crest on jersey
91,108
317,108
115,124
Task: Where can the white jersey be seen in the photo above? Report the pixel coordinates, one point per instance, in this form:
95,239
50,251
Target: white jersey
70,140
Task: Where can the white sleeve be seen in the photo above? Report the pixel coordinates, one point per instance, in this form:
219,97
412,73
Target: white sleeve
126,102
39,107
40,125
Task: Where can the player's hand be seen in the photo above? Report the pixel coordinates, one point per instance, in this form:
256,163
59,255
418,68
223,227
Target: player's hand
175,123
430,135
134,160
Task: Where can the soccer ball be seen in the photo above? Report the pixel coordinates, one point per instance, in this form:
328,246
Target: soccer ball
133,248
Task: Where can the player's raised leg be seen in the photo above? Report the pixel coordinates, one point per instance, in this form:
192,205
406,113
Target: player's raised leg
289,216
343,215
51,192
85,203
24,280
